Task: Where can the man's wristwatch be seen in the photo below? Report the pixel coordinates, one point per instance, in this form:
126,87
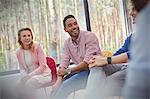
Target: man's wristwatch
68,70
109,60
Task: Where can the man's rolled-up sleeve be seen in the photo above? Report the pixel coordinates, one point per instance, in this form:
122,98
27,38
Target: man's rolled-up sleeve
65,56
92,47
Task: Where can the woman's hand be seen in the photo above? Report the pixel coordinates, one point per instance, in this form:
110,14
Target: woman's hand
98,60
25,78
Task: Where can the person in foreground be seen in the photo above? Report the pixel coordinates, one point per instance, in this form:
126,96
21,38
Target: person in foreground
32,61
107,74
138,77
80,48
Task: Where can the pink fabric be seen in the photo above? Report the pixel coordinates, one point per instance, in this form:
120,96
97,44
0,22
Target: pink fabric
38,61
83,49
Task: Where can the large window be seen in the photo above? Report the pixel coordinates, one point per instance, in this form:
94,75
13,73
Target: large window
131,26
108,22
44,17
107,17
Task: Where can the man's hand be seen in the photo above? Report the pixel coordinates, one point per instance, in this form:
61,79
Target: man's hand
98,61
61,71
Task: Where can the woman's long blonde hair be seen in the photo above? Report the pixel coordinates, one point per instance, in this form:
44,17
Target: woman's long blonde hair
31,46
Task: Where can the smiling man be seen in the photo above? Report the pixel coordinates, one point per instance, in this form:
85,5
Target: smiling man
80,48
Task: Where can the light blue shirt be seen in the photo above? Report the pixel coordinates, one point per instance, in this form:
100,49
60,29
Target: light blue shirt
138,76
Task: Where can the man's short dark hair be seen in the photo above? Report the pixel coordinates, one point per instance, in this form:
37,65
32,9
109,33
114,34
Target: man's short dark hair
139,4
67,17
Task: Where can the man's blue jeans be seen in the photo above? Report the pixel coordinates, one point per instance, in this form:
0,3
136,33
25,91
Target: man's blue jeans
75,82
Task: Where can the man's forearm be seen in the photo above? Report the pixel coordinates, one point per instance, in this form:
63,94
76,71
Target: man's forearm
122,58
81,66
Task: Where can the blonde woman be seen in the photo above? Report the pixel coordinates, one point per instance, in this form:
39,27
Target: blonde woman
32,61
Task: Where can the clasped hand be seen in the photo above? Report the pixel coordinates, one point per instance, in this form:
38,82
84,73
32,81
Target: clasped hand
97,60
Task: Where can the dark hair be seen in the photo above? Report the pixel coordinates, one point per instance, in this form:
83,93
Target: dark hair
139,4
67,17
19,41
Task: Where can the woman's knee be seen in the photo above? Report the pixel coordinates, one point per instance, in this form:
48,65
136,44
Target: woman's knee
32,82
